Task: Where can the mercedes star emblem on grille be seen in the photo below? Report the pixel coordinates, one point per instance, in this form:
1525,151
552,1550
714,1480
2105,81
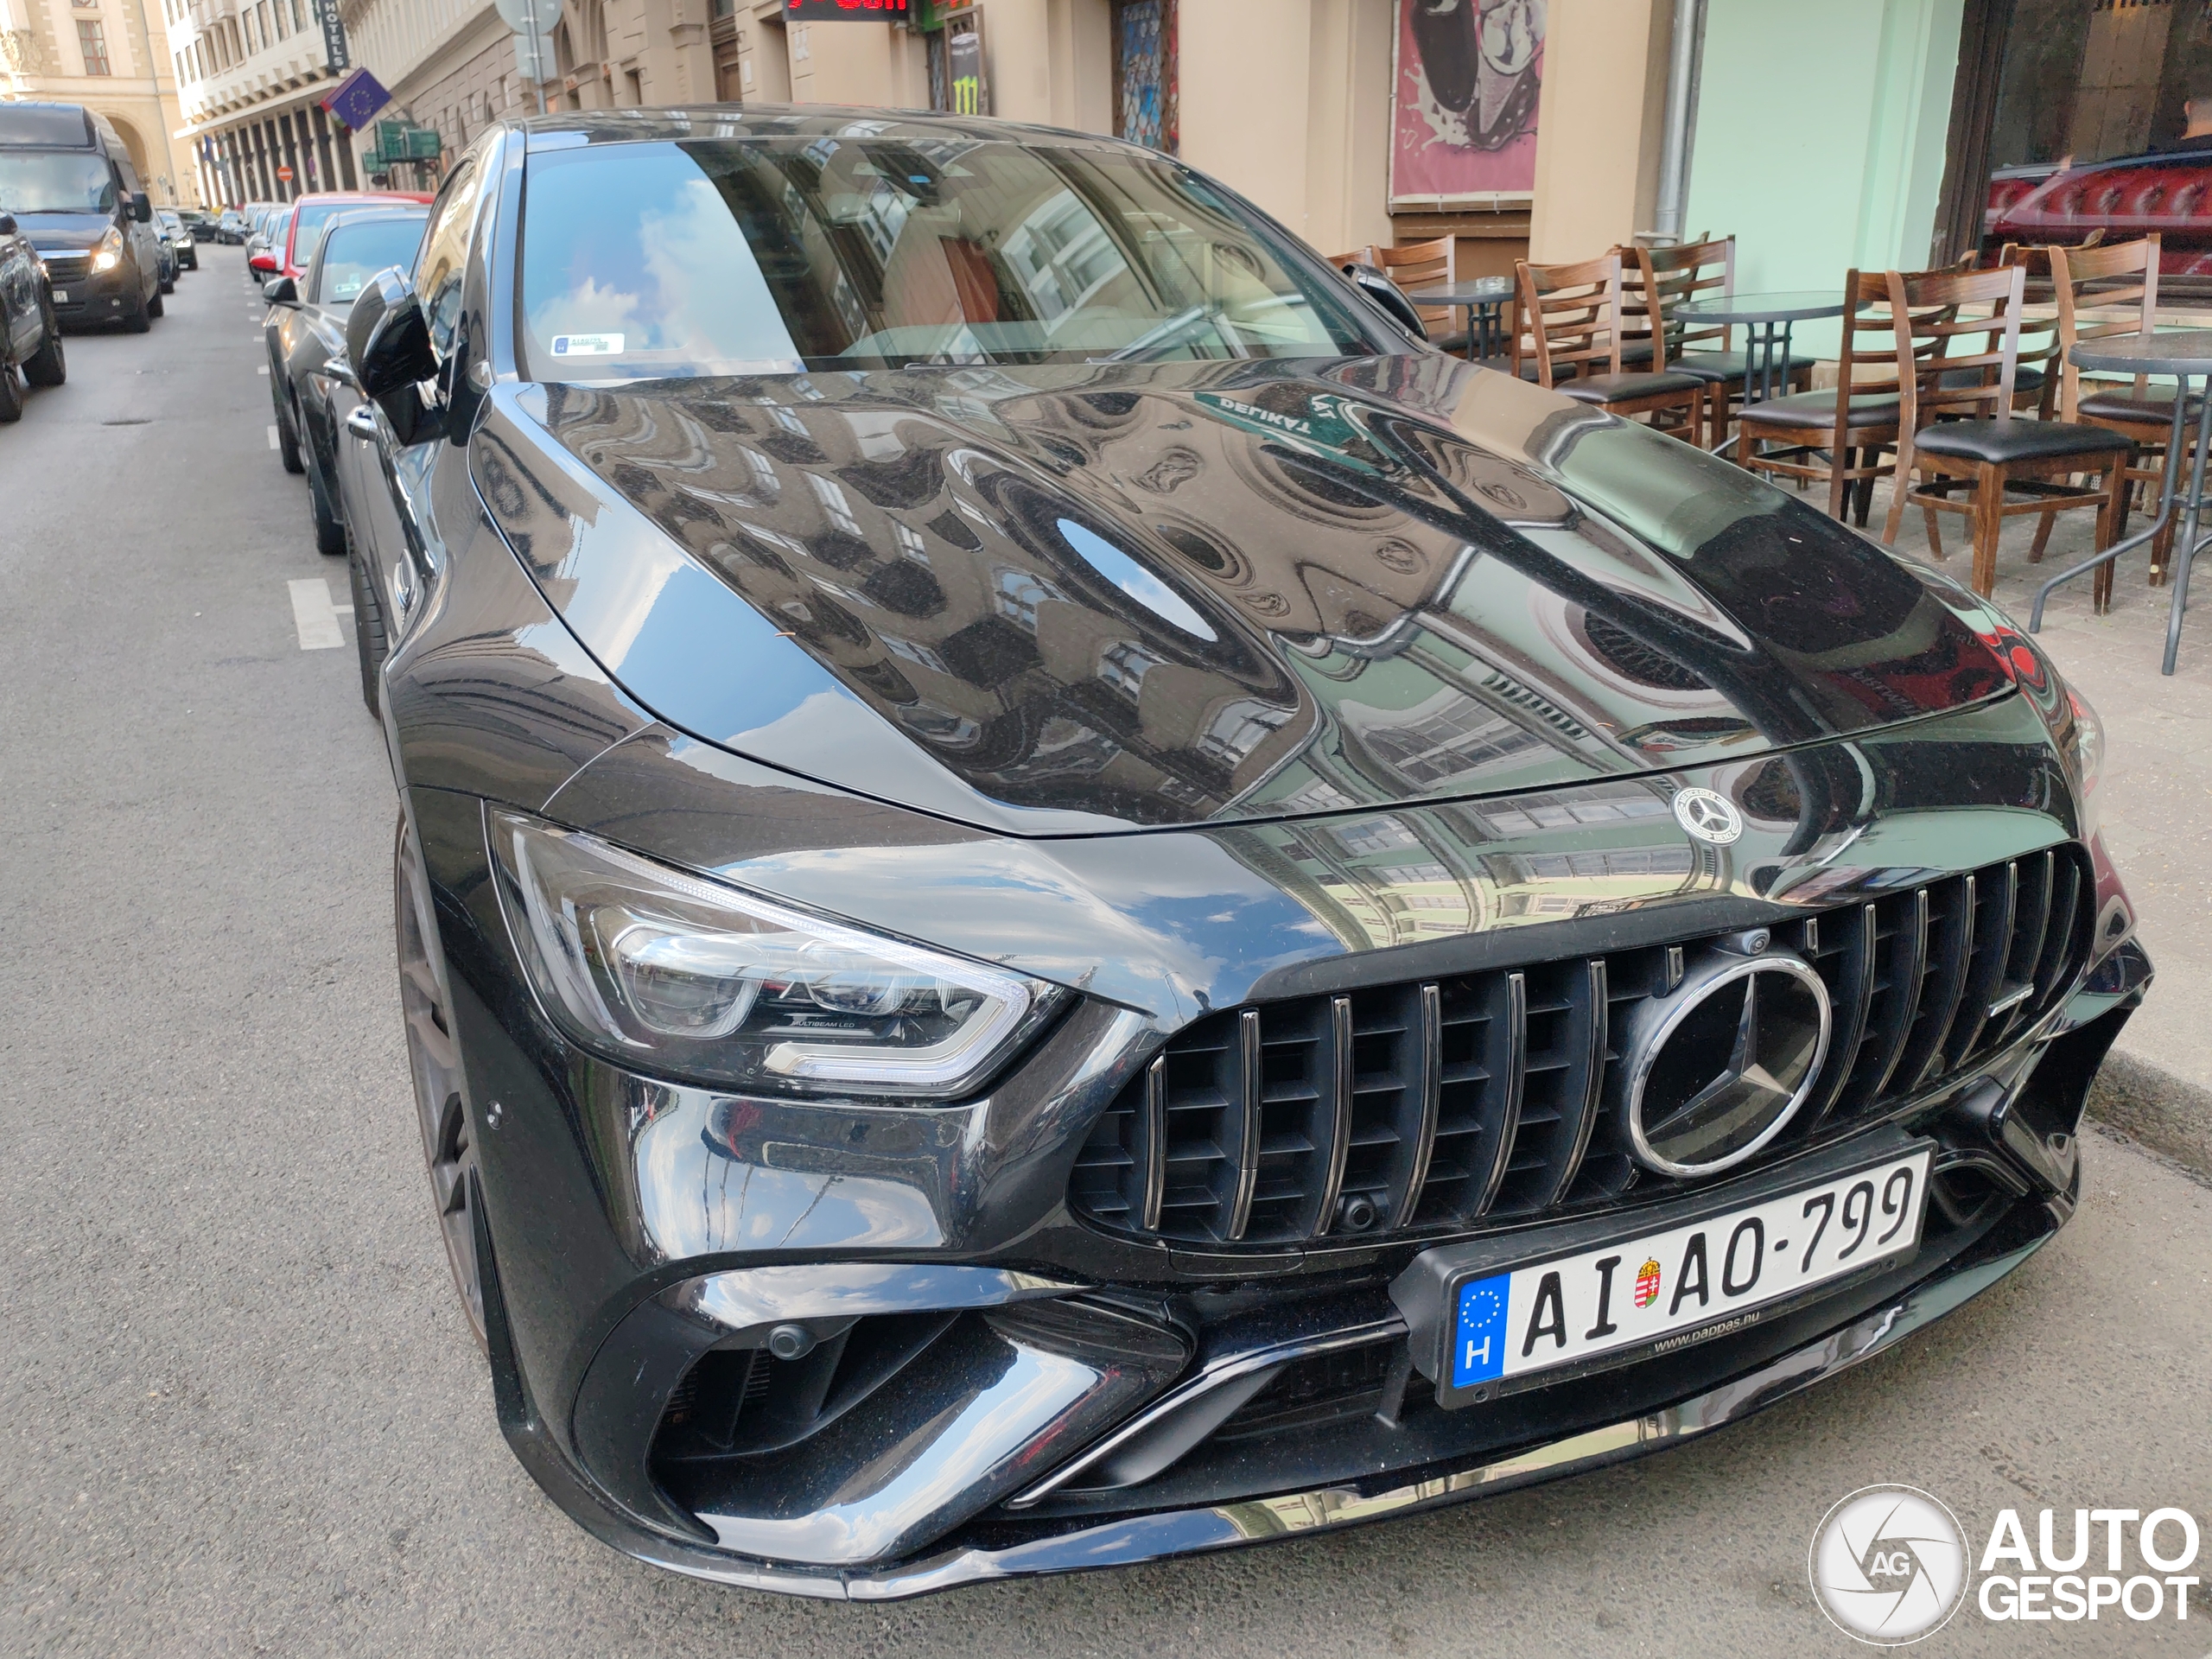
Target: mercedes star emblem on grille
1721,1065
1708,815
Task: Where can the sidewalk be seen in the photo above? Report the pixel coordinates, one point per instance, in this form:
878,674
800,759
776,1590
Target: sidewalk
2154,799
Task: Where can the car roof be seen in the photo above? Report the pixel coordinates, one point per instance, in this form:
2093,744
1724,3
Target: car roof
565,129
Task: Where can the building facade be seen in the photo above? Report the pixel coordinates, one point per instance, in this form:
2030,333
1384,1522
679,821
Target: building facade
251,75
112,56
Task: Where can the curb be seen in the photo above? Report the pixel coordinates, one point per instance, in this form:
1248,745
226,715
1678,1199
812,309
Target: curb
2166,1113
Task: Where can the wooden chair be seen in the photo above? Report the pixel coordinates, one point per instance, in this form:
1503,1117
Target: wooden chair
1360,256
2122,283
1572,314
1837,437
1426,264
1667,277
1983,449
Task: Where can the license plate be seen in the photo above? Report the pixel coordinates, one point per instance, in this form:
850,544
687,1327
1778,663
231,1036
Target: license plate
1689,1284
61,296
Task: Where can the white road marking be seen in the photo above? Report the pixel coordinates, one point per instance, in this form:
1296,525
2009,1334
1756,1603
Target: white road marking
272,437
264,369
313,615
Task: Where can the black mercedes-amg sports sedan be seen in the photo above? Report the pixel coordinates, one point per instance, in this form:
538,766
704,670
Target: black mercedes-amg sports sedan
1061,901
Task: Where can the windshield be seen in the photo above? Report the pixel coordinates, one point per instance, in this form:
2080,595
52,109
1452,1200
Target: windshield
732,256
353,253
311,217
55,182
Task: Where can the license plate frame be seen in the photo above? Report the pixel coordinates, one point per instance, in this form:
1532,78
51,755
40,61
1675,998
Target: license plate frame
1431,1291
61,296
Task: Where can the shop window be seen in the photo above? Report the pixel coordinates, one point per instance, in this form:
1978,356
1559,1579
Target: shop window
91,40
2075,120
1144,74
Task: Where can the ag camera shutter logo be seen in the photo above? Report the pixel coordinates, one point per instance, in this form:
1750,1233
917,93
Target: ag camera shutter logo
1888,1565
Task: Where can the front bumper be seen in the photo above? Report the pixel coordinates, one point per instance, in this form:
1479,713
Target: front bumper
1005,1551
105,297
632,1234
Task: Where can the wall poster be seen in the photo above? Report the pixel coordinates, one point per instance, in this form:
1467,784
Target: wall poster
1466,74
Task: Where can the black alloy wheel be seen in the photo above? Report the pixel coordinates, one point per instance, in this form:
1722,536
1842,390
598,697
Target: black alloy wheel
434,1061
48,366
370,642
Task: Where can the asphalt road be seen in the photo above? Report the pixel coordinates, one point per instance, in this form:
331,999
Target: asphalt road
240,1412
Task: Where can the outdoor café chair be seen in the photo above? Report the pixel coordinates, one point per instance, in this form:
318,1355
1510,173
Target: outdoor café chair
1572,314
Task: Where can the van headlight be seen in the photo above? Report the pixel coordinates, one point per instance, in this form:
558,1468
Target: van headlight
107,254
670,974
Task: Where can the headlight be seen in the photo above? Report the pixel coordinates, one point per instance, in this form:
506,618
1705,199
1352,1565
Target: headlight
687,977
109,254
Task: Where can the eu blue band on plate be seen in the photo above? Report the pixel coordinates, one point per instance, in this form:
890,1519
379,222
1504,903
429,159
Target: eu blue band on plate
1478,1345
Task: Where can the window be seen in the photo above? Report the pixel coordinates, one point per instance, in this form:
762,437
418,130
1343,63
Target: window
282,31
1122,666
445,254
2080,116
857,253
1448,741
91,40
1020,595
1240,728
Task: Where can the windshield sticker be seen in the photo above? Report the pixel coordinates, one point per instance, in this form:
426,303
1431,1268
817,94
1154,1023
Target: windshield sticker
586,345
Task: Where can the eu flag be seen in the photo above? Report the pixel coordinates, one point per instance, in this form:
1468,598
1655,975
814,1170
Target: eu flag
357,99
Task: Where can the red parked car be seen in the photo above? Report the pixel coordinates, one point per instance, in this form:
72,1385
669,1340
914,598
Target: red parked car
310,215
2126,197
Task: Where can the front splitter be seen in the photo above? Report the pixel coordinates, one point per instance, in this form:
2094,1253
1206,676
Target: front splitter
1125,1540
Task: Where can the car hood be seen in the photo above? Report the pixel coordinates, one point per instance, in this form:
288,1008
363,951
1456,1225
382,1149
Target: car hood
64,229
1081,599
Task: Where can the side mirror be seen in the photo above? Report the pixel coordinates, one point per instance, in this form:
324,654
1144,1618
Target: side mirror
388,345
142,206
263,261
7,223
282,291
1384,294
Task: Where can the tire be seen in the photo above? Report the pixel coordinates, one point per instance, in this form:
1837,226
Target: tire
140,319
167,285
155,306
48,366
329,529
288,434
433,1062
368,641
11,395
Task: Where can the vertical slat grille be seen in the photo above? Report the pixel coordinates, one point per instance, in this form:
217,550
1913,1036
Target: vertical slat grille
1435,1104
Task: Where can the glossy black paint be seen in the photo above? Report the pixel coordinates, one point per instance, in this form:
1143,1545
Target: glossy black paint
1458,642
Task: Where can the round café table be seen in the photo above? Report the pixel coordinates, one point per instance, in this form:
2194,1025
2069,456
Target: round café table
1483,300
1766,321
2184,355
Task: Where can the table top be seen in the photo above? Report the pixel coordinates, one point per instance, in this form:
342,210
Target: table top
2187,350
1478,290
1796,307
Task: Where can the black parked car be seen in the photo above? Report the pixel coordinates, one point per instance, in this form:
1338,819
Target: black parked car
305,334
1060,900
30,332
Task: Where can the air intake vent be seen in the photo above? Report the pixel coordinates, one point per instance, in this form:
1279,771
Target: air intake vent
1435,1104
